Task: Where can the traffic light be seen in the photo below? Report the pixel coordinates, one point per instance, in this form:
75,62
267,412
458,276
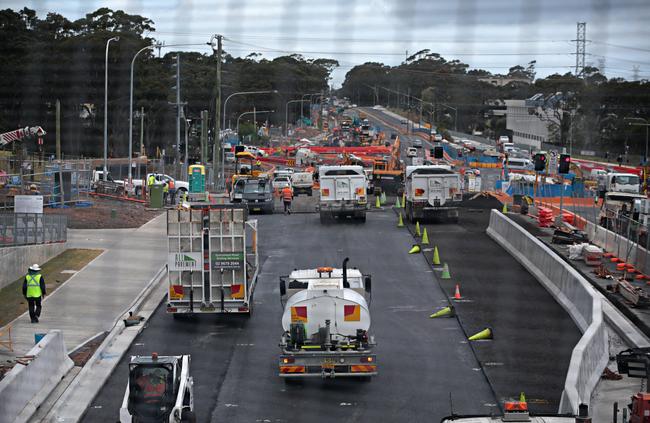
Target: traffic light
565,161
540,162
438,152
239,149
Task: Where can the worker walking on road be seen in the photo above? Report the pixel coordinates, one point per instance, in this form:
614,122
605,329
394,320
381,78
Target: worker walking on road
34,291
287,196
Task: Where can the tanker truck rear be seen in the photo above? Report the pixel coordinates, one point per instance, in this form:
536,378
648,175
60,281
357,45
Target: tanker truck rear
326,321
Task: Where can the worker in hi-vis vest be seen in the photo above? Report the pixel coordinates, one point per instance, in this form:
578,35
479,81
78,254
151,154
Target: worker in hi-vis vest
34,291
151,181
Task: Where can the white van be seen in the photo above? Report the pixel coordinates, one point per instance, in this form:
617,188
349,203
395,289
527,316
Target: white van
519,164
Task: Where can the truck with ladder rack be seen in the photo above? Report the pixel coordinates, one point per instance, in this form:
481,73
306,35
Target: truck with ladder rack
212,259
326,321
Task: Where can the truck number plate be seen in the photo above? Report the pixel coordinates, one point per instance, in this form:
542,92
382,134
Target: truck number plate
257,209
328,364
207,308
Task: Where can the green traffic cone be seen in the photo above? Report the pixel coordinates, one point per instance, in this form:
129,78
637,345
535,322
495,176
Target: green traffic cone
417,229
377,203
444,312
400,224
505,208
436,256
397,204
382,198
403,199
522,397
415,249
484,334
445,272
425,237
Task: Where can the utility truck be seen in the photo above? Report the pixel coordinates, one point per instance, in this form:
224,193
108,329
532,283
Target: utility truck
432,191
212,261
343,192
618,182
326,321
160,389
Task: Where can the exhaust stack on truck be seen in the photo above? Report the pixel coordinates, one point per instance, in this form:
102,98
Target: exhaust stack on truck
326,321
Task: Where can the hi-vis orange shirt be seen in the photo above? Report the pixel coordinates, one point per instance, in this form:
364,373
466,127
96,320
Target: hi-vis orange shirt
287,194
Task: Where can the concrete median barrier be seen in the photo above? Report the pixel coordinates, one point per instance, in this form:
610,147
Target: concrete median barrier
25,387
575,294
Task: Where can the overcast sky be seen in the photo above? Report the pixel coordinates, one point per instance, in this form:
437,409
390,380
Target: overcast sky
492,35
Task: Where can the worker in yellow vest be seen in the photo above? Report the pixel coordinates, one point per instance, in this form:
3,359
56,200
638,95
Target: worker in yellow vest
151,180
34,291
165,193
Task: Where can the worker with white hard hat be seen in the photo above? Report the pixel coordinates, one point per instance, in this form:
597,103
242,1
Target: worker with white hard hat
34,291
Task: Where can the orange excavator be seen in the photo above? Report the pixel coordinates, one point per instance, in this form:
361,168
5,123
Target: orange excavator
388,172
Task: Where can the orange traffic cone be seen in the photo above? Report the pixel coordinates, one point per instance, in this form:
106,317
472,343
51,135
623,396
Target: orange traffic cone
457,293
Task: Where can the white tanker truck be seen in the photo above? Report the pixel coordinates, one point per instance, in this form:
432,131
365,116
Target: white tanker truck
326,321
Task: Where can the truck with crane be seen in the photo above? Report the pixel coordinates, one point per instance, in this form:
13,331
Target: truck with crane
326,322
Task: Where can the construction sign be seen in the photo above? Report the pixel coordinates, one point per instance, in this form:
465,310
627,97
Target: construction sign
299,314
352,313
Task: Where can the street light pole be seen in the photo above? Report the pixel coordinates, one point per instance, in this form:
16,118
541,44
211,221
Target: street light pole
286,115
105,174
646,124
251,113
225,103
131,114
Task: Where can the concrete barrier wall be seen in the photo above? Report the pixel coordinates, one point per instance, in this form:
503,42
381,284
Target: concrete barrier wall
575,295
14,261
622,248
24,388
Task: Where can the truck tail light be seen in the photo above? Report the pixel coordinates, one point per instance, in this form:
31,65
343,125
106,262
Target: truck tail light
360,191
366,359
288,360
325,192
292,369
419,192
363,368
171,309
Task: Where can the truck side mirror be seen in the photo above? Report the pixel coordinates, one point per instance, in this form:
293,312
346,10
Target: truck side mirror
368,283
283,288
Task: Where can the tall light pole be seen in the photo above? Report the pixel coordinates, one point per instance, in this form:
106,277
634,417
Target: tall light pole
105,175
646,124
286,115
455,115
302,109
131,114
225,103
250,113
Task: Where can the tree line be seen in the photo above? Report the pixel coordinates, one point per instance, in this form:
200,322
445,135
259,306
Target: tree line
591,111
53,58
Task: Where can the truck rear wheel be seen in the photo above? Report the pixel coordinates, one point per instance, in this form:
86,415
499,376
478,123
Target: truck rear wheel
188,416
324,218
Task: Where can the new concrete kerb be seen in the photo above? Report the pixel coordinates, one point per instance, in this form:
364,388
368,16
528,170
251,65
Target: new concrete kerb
587,307
72,404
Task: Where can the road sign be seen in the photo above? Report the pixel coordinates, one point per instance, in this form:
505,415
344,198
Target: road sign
553,163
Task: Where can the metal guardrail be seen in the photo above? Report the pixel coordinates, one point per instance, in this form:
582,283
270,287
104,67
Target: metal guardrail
32,228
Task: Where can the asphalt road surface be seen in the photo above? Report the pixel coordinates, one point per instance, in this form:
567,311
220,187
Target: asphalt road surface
422,361
533,336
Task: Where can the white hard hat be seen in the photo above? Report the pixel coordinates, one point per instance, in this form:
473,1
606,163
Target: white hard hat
35,267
